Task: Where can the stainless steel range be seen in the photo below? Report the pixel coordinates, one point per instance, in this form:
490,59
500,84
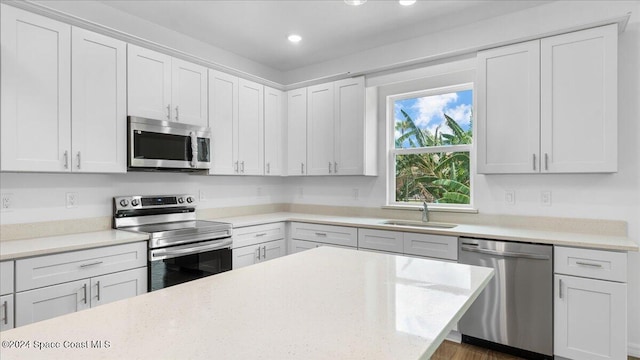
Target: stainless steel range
181,248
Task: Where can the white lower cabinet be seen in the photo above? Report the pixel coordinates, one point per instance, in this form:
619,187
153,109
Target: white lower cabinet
254,244
590,304
58,284
441,247
301,245
325,234
382,240
254,254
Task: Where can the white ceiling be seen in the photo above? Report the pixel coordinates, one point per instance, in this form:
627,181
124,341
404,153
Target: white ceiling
258,29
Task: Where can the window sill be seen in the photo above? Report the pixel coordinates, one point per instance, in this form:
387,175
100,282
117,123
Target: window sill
435,208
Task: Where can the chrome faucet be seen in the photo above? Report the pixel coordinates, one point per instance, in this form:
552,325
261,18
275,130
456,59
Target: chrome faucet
425,212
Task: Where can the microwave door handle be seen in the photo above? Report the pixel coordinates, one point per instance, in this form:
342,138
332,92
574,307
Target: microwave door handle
194,148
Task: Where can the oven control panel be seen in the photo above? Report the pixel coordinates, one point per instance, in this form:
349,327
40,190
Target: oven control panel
153,201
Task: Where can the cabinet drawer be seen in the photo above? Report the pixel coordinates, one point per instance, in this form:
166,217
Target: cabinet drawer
54,269
436,246
301,245
596,264
251,235
328,234
6,277
391,241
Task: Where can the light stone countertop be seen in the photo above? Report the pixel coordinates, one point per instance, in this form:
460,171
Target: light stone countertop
324,303
16,249
603,242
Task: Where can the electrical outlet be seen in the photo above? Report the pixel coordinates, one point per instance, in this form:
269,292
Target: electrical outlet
545,198
356,194
510,197
72,200
7,202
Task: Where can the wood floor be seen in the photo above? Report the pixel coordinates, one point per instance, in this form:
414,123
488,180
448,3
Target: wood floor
450,350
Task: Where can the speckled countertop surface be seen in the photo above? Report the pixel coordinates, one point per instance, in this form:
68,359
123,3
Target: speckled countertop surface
301,306
16,249
604,242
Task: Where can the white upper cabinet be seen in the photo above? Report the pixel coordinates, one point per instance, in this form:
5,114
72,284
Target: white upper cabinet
273,140
338,129
349,127
509,131
250,128
320,129
549,105
98,113
35,83
579,103
189,92
223,121
149,83
297,132
165,88
237,123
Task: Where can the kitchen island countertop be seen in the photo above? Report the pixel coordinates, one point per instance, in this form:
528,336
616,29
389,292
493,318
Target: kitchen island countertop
325,303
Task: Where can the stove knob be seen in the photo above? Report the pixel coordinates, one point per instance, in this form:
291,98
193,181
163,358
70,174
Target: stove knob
124,202
189,199
180,200
135,202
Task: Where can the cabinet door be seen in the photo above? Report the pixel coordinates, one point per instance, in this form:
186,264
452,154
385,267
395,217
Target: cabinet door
349,127
579,101
509,130
35,90
273,100
118,286
98,112
245,256
6,312
250,128
148,83
223,121
429,245
320,131
51,301
273,249
297,132
189,92
590,318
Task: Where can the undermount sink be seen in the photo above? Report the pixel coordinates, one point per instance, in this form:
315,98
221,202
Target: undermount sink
421,224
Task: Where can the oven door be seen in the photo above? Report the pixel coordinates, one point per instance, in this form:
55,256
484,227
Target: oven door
163,144
177,264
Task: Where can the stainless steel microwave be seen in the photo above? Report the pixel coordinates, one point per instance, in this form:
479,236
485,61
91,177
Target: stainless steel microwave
168,146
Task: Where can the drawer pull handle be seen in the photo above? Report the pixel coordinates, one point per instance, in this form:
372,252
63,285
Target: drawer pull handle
91,264
6,313
261,234
588,264
560,288
321,234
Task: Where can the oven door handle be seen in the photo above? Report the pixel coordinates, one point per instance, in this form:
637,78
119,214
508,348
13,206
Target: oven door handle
160,254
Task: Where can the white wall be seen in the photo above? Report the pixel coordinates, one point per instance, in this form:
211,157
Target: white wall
42,197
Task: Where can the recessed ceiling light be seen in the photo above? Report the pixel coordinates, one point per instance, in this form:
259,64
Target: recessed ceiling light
355,2
407,2
294,38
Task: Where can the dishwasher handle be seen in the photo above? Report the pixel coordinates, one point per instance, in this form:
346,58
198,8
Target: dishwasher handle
473,248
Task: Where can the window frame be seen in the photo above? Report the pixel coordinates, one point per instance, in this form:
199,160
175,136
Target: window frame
392,152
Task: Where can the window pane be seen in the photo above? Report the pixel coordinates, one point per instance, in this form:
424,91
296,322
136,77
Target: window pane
435,120
433,177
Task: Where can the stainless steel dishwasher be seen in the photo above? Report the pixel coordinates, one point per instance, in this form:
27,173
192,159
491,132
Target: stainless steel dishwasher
514,313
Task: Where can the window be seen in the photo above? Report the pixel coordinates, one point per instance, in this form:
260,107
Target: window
431,147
